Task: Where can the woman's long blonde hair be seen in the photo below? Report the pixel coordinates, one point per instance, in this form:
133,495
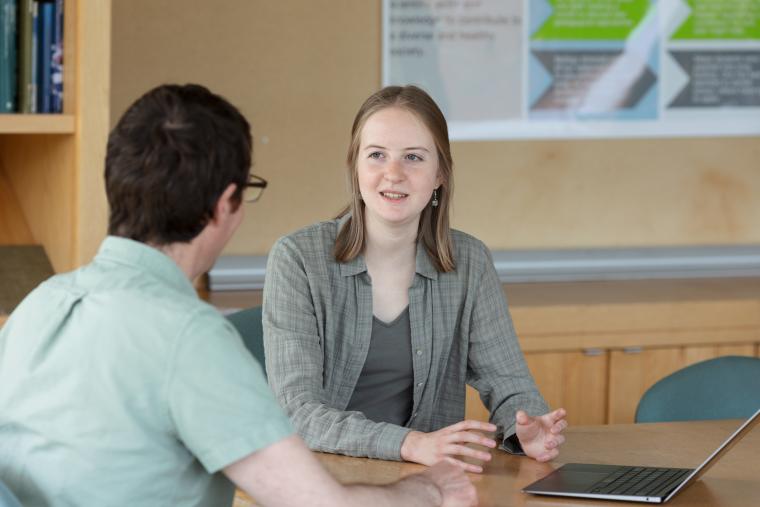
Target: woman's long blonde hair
433,229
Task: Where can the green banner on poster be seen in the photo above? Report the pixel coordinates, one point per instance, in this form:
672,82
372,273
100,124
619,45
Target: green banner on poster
721,19
592,19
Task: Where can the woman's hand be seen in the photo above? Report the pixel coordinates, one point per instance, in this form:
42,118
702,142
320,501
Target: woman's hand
444,444
540,436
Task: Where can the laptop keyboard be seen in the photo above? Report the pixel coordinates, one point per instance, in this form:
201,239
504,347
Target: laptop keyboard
640,481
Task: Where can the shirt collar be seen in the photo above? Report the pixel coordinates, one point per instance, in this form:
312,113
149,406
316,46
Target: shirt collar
144,258
423,265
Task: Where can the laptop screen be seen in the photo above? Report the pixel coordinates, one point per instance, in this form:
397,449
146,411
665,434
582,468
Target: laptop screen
720,451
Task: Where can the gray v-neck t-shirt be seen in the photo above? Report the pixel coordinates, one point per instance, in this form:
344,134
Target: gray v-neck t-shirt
384,391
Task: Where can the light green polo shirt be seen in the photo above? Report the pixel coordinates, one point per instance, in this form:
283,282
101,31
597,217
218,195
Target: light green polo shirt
118,386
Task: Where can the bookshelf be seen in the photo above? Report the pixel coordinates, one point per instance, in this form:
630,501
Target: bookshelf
13,227
51,165
37,123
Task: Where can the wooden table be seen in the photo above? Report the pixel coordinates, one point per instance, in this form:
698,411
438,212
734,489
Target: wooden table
733,482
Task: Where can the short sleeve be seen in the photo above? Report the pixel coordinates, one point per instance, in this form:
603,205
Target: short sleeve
218,397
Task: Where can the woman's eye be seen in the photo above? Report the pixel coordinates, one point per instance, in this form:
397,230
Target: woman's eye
413,157
376,155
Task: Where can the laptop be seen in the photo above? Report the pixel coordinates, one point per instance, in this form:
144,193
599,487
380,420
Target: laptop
630,483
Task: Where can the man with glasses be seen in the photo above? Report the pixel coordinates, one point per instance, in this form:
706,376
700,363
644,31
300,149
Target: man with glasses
254,188
118,386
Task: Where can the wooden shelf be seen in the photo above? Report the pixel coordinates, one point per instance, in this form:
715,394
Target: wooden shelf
37,123
13,227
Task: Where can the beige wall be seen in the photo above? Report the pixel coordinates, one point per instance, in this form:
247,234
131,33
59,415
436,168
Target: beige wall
300,69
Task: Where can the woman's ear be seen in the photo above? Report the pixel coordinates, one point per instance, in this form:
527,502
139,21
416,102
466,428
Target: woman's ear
438,179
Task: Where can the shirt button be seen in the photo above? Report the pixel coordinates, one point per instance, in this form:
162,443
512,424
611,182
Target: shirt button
419,352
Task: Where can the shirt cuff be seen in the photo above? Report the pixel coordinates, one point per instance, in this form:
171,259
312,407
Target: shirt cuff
390,441
512,445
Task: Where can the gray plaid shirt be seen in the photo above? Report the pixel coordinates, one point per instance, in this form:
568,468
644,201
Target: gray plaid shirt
317,327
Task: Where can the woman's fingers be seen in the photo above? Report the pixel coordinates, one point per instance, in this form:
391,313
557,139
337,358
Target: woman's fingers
429,448
548,455
450,441
467,432
559,426
469,424
557,415
463,450
471,438
554,442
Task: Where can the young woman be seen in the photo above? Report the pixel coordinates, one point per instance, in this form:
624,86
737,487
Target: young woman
374,321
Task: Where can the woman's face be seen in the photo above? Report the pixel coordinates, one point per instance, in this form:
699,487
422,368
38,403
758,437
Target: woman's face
397,166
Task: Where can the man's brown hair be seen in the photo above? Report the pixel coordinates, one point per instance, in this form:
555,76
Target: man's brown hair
169,159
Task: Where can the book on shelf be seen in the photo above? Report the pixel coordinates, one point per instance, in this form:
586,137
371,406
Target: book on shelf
57,59
8,55
34,77
45,27
27,92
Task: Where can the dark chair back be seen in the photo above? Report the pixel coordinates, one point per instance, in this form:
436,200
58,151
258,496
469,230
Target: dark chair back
725,387
248,324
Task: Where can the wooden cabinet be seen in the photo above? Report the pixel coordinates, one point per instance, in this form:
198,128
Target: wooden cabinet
596,347
701,353
632,372
51,165
574,380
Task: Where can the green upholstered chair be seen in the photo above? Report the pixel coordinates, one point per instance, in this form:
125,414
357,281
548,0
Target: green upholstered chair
248,324
725,387
7,498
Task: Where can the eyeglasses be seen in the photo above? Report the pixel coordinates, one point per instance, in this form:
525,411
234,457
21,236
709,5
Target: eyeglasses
254,188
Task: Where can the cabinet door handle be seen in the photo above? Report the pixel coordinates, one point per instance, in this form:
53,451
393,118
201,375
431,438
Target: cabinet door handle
593,352
632,350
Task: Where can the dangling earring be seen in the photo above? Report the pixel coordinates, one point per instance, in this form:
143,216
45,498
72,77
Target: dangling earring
435,198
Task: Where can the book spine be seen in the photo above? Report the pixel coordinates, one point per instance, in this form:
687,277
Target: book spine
57,63
45,20
8,55
34,59
25,59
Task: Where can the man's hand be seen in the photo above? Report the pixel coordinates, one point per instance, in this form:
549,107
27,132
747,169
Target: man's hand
541,436
455,487
430,448
286,473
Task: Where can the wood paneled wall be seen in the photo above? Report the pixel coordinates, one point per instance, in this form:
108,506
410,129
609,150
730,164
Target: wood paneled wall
299,71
